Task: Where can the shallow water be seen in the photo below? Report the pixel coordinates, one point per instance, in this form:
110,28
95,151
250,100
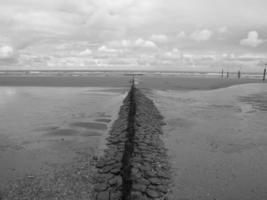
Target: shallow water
43,126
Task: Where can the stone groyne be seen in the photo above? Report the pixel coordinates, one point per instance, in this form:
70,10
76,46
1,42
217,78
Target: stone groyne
135,163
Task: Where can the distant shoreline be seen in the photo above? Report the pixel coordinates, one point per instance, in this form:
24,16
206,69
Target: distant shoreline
155,81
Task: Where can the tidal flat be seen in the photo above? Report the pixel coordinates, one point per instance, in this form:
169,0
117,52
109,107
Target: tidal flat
53,130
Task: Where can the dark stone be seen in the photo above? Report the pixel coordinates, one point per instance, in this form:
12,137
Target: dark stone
152,193
155,181
137,196
162,174
103,196
139,187
162,188
117,180
100,187
135,173
115,195
101,163
143,181
115,170
150,173
105,169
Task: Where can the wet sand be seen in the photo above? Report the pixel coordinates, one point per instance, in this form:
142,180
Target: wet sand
45,131
217,141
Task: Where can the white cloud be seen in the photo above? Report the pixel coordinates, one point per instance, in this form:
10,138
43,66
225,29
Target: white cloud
145,43
6,52
160,38
138,43
86,52
201,35
174,54
181,35
105,49
223,29
126,43
252,39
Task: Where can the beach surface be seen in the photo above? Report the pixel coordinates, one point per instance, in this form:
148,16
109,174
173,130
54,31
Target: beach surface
52,129
48,133
217,141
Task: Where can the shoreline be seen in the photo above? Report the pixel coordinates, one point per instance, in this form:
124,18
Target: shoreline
159,82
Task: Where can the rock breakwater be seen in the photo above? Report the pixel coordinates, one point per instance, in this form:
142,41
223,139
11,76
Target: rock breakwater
135,163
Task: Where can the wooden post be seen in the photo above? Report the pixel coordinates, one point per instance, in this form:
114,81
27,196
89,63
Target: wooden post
264,73
238,74
133,80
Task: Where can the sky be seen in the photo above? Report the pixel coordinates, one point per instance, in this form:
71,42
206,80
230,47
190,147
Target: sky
133,34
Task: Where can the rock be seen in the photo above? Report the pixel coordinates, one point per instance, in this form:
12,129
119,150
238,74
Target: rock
162,189
139,187
136,173
103,196
115,171
115,195
152,193
155,181
150,173
117,180
162,174
101,178
136,196
100,187
143,181
105,169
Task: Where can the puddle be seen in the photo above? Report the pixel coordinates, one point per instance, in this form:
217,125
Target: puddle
257,101
103,120
90,125
63,132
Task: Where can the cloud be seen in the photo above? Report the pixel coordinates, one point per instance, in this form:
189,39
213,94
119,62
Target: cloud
139,43
137,27
145,43
223,29
252,39
105,49
174,54
6,52
181,35
201,35
86,52
160,38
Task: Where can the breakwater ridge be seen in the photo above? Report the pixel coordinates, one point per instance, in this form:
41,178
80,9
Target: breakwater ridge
135,163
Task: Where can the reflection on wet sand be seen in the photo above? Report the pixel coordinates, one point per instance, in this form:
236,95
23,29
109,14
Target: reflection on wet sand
52,128
90,125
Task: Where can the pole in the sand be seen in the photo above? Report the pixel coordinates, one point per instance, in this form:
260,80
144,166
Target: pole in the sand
238,74
133,81
264,73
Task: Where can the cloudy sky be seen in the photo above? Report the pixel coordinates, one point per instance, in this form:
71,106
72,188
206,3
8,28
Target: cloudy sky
133,34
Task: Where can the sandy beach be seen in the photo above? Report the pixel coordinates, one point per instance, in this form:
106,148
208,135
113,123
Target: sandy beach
215,134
